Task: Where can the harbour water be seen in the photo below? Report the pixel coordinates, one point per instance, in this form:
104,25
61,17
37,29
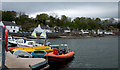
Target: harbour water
90,52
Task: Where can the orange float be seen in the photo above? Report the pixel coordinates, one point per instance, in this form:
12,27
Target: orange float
6,38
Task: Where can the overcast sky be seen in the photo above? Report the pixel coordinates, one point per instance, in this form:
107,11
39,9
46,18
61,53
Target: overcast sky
70,9
60,0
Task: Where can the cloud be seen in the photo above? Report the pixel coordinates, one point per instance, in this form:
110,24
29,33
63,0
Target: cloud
60,0
71,9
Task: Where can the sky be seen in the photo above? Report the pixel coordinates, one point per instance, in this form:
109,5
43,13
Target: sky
60,0
102,10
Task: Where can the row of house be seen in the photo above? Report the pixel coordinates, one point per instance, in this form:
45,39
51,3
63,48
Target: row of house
97,32
11,26
14,28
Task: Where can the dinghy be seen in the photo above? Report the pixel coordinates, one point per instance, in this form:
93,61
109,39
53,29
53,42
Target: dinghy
59,55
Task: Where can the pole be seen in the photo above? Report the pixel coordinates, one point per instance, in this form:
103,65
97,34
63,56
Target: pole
3,48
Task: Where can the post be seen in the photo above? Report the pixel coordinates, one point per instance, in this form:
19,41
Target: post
3,48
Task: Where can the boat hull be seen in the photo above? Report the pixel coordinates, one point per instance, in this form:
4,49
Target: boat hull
32,37
53,57
12,44
11,48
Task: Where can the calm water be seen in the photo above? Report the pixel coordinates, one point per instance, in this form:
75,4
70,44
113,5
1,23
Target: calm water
91,52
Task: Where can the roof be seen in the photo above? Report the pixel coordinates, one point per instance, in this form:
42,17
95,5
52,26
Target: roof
9,23
66,28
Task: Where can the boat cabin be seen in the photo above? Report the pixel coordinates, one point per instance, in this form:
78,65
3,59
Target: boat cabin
26,43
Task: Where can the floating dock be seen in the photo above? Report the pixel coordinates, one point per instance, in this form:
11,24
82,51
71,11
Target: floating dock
29,63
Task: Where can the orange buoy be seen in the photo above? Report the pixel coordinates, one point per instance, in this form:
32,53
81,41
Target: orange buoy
94,38
98,38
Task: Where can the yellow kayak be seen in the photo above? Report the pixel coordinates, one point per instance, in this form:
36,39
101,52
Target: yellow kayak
31,49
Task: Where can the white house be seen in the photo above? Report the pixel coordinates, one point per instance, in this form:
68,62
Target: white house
11,26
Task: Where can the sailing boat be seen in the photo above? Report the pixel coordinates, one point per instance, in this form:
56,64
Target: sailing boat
33,35
43,35
36,30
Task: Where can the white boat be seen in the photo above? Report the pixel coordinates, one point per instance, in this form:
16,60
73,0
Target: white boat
20,53
27,43
12,41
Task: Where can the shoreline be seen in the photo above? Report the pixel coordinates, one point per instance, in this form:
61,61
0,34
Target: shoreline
82,37
62,36
75,37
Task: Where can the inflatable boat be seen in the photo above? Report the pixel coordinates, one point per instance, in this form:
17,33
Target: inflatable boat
57,56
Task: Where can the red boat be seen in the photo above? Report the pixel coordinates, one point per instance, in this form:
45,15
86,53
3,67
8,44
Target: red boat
11,48
57,56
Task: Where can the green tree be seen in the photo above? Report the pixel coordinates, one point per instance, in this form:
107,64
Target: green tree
8,15
42,18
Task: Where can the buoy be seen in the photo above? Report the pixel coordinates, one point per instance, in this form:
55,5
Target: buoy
6,38
98,38
94,38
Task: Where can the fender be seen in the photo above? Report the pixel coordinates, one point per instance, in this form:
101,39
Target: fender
6,38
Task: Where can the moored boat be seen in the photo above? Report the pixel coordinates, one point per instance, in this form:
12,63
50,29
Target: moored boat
38,53
11,48
58,55
31,49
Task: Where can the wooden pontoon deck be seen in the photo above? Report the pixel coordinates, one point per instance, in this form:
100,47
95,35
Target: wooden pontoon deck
13,62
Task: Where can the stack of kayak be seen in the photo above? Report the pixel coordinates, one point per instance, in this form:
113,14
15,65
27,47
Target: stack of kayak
31,49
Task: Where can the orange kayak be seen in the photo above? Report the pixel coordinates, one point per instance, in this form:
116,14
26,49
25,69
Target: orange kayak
62,57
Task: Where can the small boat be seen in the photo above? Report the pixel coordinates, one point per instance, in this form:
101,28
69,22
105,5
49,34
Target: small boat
31,49
12,41
27,43
33,35
22,42
38,53
59,55
22,54
11,48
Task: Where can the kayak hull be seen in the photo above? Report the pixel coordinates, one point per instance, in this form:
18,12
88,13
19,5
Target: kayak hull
31,49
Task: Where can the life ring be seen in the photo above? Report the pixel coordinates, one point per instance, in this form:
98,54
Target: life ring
6,38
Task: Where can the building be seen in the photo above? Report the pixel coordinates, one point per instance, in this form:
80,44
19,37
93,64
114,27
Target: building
11,26
66,30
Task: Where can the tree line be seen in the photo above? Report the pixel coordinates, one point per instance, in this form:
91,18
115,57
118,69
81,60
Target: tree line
45,19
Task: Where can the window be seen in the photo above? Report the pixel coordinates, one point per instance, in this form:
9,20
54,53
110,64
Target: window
30,43
13,30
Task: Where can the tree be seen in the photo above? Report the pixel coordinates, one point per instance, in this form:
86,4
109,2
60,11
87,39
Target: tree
9,15
52,21
42,18
118,25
